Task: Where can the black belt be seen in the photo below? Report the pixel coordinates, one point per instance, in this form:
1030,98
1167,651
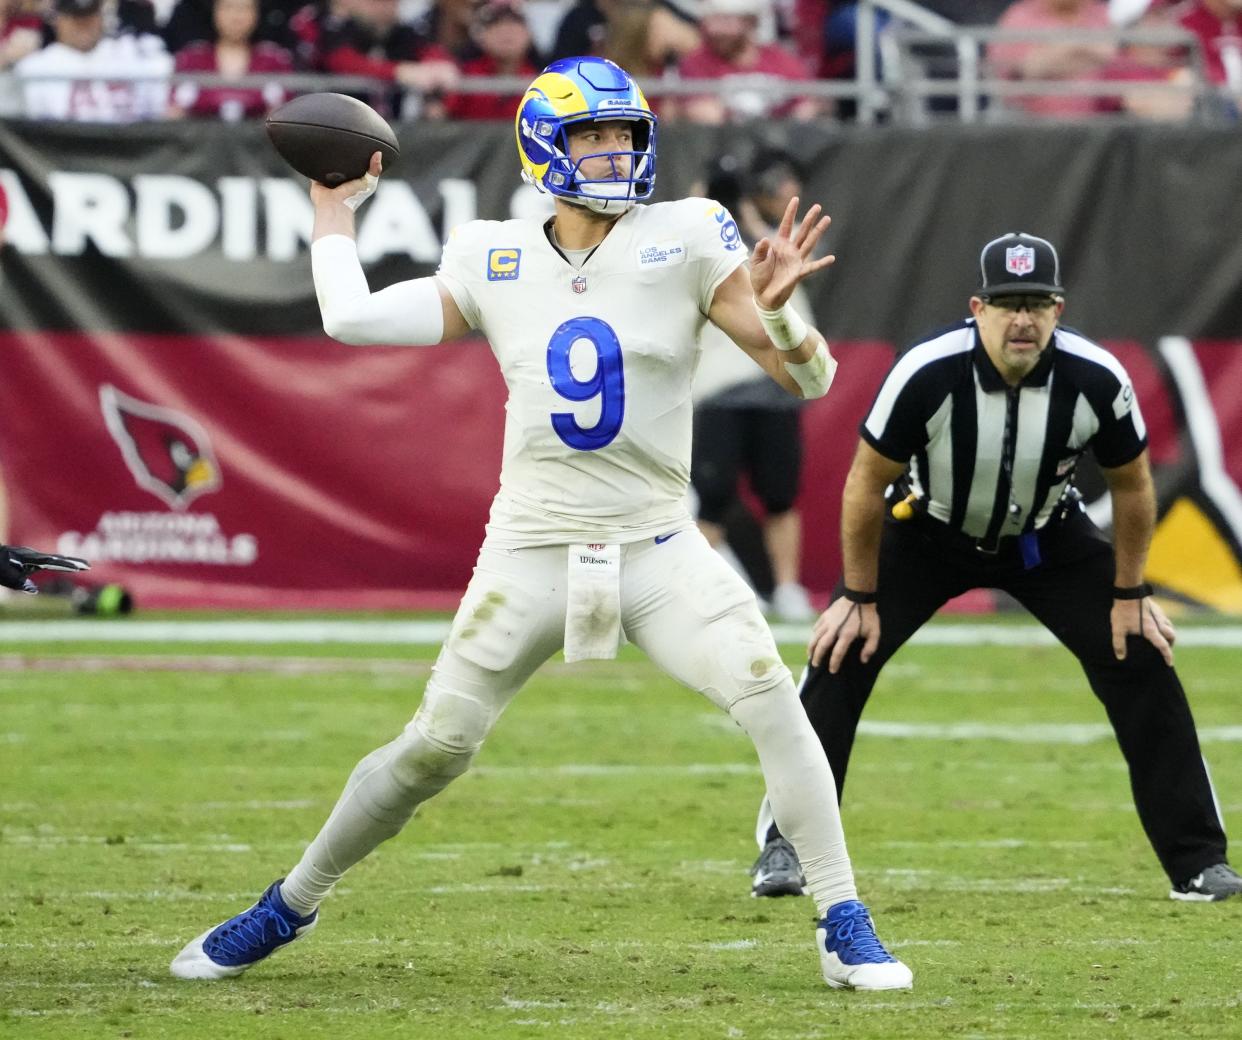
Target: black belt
997,546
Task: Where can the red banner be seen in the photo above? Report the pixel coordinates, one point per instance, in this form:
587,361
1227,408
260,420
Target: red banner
168,409
253,473
299,473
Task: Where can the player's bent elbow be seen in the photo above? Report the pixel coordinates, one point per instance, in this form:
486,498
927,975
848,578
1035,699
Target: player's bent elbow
351,325
343,330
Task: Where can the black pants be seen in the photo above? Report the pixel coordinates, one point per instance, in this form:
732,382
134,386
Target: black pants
923,565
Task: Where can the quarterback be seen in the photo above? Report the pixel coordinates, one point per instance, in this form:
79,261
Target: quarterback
594,318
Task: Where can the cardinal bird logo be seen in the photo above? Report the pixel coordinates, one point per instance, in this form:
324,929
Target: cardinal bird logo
167,451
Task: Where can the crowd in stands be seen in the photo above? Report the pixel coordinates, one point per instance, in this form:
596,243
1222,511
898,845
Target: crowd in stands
426,49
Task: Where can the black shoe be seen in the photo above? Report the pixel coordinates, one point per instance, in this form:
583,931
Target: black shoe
777,871
1213,884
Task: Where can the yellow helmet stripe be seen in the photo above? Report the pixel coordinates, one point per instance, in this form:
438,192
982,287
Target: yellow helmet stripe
561,91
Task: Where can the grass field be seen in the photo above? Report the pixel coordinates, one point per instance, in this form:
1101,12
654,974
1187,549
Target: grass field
588,878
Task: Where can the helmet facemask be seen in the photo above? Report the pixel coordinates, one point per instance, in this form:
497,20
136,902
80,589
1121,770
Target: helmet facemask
573,92
610,194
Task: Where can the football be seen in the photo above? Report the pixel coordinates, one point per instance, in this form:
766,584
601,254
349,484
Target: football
330,138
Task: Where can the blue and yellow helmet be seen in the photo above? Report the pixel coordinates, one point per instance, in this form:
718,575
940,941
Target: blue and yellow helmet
578,90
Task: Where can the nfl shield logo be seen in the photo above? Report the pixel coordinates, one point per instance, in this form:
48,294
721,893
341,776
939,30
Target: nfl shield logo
579,284
1019,260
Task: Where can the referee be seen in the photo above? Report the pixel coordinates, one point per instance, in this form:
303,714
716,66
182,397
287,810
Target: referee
974,437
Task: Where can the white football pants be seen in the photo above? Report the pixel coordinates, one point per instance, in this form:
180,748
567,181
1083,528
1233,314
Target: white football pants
684,606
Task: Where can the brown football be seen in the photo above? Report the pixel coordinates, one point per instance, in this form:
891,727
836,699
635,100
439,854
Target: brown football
330,138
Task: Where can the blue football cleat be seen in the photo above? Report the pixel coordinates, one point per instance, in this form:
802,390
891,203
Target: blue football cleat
232,947
850,954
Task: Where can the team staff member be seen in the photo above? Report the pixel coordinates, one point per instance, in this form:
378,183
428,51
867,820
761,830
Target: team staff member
979,430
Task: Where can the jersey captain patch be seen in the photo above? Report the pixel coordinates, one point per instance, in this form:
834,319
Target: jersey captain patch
503,264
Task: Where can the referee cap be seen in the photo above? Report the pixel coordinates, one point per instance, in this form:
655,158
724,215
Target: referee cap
1019,264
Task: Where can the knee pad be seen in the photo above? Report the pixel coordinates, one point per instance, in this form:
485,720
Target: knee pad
424,766
457,723
747,662
440,742
721,645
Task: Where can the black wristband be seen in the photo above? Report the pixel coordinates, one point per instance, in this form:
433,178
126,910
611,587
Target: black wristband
1132,591
854,596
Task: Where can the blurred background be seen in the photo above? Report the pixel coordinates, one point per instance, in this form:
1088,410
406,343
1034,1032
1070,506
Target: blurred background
171,410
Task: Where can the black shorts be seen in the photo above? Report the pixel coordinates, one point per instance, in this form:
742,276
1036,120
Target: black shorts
762,444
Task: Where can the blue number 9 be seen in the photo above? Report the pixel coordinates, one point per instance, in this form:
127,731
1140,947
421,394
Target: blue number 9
607,383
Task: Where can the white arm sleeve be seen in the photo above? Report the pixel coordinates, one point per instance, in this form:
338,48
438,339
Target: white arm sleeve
408,313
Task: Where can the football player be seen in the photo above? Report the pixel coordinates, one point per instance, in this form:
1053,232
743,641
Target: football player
593,316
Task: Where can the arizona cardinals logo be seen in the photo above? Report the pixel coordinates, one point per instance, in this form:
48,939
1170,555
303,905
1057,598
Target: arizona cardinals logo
168,452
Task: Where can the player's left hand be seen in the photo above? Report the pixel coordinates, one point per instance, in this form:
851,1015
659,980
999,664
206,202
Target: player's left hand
17,563
780,261
1132,617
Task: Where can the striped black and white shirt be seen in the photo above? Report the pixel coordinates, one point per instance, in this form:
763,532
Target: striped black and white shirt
992,460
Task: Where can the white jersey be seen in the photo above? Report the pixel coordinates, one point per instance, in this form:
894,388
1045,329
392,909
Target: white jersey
599,362
100,87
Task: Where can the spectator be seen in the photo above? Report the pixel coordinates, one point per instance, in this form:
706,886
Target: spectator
646,35
1066,60
1145,64
730,50
367,38
502,35
138,17
447,24
1218,24
106,78
808,18
233,54
20,33
741,429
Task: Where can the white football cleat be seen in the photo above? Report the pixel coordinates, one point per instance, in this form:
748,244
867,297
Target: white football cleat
232,947
850,954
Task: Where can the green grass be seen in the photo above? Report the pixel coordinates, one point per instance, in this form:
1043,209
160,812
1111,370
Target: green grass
545,896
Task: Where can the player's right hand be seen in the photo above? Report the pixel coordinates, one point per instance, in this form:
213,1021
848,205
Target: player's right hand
838,627
352,193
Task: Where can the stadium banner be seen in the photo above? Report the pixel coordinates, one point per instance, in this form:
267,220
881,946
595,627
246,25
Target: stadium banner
170,408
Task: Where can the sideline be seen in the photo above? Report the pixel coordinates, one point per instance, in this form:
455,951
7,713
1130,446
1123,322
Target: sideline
423,633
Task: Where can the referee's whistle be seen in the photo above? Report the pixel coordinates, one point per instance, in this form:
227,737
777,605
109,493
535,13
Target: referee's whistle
904,509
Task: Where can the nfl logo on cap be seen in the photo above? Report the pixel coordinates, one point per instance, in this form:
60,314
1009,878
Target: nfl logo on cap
1018,264
1019,260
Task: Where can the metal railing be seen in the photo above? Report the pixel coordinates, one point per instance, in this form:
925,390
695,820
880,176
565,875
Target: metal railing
915,68
920,67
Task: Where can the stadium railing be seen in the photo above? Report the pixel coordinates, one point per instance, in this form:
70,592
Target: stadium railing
917,68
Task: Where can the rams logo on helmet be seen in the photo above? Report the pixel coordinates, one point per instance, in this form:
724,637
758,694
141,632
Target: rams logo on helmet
578,90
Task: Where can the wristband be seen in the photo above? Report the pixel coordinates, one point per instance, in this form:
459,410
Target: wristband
785,327
813,376
854,596
1133,591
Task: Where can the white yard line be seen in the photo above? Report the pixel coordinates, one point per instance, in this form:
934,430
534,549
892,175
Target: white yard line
433,632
